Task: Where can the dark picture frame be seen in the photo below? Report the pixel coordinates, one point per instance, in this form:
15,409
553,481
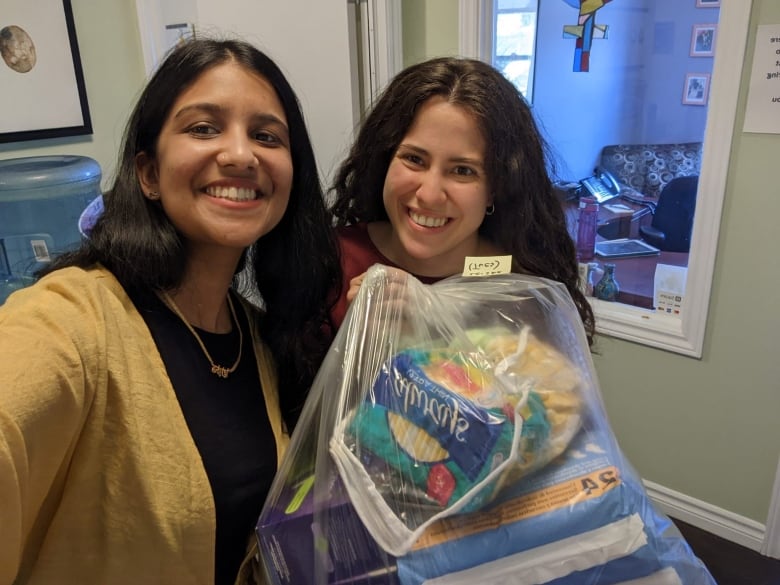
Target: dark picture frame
44,94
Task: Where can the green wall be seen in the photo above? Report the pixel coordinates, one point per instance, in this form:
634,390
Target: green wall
430,29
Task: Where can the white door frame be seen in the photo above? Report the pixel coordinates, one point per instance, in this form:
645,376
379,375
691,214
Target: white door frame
475,40
381,45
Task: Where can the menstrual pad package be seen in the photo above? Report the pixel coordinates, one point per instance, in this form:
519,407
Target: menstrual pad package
455,434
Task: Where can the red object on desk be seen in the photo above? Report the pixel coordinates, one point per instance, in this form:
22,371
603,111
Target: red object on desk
586,228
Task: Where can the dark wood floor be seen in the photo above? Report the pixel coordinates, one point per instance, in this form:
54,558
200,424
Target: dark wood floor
730,563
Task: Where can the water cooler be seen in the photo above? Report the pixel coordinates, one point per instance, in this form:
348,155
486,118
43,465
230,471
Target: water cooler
41,199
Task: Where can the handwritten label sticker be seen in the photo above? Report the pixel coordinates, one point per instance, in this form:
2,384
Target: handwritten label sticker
487,265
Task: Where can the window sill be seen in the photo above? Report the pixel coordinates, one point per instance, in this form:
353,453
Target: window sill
644,326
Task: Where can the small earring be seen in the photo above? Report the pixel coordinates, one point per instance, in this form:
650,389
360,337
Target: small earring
153,195
491,210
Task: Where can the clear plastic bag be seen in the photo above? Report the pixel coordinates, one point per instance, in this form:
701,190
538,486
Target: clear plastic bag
455,434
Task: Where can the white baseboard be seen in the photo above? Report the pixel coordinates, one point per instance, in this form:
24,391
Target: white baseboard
733,527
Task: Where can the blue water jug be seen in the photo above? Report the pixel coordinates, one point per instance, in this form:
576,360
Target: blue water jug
41,200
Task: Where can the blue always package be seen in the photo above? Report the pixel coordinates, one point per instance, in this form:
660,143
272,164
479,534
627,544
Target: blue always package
455,434
582,520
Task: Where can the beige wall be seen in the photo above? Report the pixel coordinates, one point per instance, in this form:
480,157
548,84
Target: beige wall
113,67
707,428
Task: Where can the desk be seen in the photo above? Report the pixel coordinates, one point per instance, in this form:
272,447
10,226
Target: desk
636,275
611,226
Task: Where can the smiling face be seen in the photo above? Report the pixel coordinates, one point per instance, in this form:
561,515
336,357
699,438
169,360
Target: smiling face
223,169
436,191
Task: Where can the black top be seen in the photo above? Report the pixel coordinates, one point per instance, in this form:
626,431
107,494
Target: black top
228,422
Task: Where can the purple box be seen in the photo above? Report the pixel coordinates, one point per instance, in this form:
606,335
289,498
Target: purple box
297,548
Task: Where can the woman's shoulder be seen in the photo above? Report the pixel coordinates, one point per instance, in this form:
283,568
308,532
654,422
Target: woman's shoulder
76,279
78,288
66,307
358,250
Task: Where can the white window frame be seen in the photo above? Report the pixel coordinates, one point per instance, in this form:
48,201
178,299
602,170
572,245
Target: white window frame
685,334
529,90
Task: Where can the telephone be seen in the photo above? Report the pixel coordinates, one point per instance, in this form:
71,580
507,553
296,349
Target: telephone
603,186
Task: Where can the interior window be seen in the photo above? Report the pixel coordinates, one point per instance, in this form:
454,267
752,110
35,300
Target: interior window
624,93
630,94
648,86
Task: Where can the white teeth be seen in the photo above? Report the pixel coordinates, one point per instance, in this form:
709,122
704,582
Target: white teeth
426,221
232,193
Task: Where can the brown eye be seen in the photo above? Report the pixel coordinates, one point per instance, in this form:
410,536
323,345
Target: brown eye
267,138
412,158
465,171
202,130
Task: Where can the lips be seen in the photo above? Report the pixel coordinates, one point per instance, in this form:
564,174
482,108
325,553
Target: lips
233,193
426,220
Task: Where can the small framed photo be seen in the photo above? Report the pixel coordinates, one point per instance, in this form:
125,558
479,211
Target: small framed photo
703,40
696,90
707,3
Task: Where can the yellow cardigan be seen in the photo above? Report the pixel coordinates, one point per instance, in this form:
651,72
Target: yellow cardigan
100,480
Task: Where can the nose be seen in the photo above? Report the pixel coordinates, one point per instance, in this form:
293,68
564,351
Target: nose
431,189
237,150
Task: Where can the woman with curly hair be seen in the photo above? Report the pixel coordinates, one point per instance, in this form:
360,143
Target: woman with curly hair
450,163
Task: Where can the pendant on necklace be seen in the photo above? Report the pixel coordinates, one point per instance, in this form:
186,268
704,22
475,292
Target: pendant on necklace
220,371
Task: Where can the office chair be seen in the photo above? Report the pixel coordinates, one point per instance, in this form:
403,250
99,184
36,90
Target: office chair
672,222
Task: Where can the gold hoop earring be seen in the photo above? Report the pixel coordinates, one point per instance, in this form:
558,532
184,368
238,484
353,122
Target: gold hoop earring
491,210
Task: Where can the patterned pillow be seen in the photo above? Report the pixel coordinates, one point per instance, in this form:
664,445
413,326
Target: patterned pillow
647,168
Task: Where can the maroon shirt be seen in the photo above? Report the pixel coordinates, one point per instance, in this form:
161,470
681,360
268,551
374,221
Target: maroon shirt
358,254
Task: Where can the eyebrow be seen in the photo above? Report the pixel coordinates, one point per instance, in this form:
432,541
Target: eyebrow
217,109
460,159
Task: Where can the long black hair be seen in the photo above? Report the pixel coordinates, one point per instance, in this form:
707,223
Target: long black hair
293,269
528,222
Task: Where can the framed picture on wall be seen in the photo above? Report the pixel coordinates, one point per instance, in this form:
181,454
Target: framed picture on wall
707,3
43,93
703,40
696,90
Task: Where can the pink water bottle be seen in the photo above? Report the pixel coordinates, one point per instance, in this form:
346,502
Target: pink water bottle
586,229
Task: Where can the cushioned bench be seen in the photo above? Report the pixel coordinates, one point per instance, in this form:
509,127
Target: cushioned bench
647,168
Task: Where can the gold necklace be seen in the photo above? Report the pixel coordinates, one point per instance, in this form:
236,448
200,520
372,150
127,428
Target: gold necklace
216,369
